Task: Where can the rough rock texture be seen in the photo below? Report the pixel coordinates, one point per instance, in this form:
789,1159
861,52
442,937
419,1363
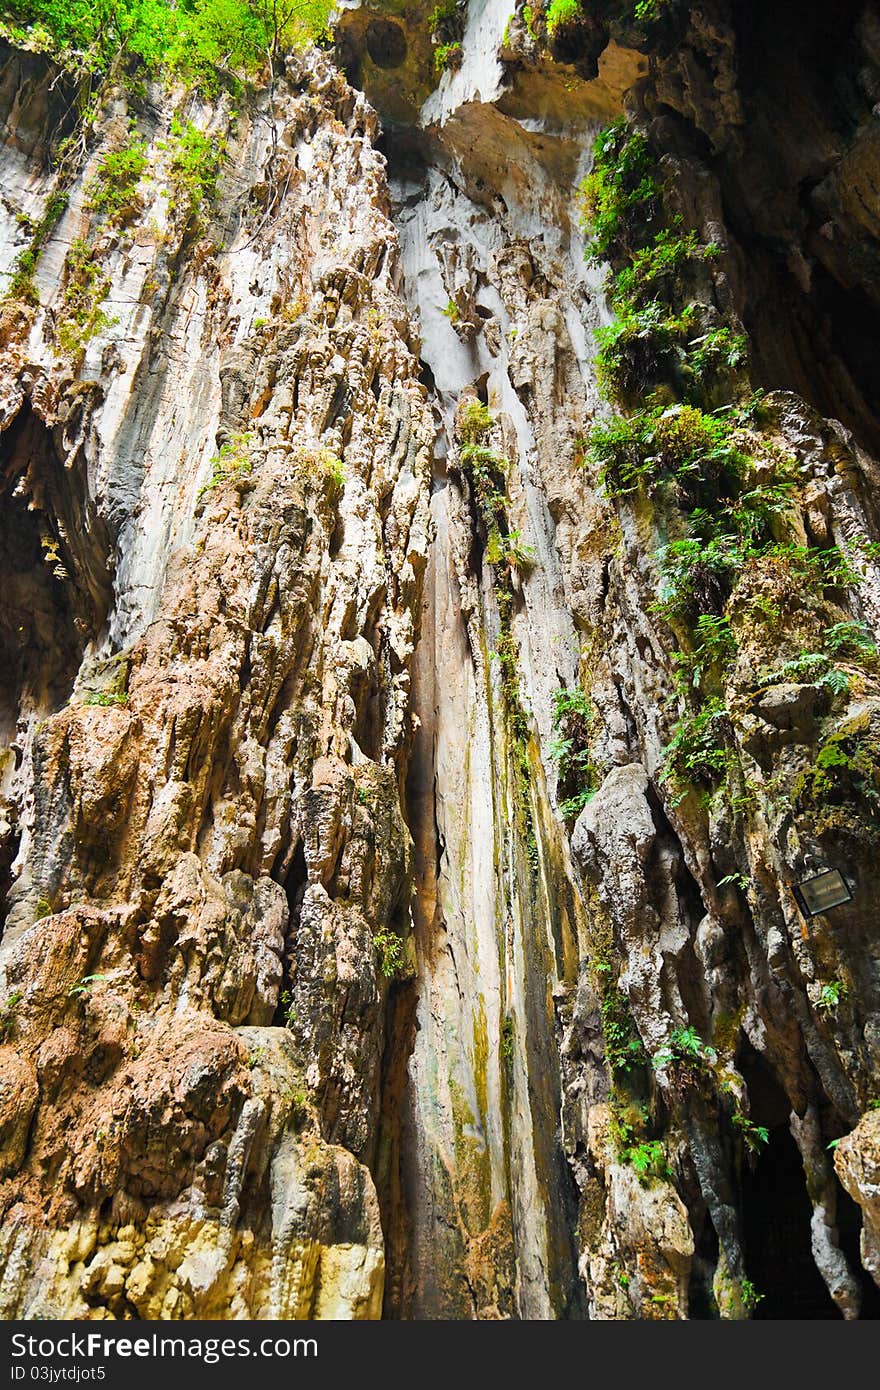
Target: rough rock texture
202,810
325,996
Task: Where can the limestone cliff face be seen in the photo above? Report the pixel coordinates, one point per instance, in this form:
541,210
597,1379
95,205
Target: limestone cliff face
215,532
364,951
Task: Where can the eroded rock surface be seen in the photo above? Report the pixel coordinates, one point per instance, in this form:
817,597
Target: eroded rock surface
362,955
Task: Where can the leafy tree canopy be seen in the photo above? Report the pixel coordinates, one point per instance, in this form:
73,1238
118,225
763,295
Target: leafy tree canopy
191,37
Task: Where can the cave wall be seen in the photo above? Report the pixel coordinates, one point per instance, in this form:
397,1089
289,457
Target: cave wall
317,973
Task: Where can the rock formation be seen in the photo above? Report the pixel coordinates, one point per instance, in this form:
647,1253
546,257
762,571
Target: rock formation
412,733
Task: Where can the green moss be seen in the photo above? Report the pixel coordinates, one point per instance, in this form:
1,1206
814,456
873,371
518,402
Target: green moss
840,791
508,1033
319,464
475,422
481,1060
472,1164
105,698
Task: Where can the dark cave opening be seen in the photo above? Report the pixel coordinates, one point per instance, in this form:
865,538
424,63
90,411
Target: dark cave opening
44,624
294,884
40,644
777,1215
807,85
776,1233
8,851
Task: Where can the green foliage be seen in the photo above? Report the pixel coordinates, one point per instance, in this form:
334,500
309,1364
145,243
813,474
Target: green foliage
716,350
657,262
813,668
319,464
830,996
81,316
22,285
561,12
684,1050
714,647
232,460
571,704
113,190
288,1010
196,160
105,698
754,1136
448,56
43,909
8,1011
853,639
624,1050
528,15
84,986
649,11
475,421
677,442
698,754
389,948
749,1295
619,197
194,40
509,550
297,1098
649,1160
569,749
644,342
451,311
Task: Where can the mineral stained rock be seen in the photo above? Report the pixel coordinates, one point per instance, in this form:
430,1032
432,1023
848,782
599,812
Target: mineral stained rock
404,783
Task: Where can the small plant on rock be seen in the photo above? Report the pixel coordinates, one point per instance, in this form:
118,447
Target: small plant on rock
389,947
113,190
649,1160
685,1057
749,1295
830,996
754,1136
84,986
8,1011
